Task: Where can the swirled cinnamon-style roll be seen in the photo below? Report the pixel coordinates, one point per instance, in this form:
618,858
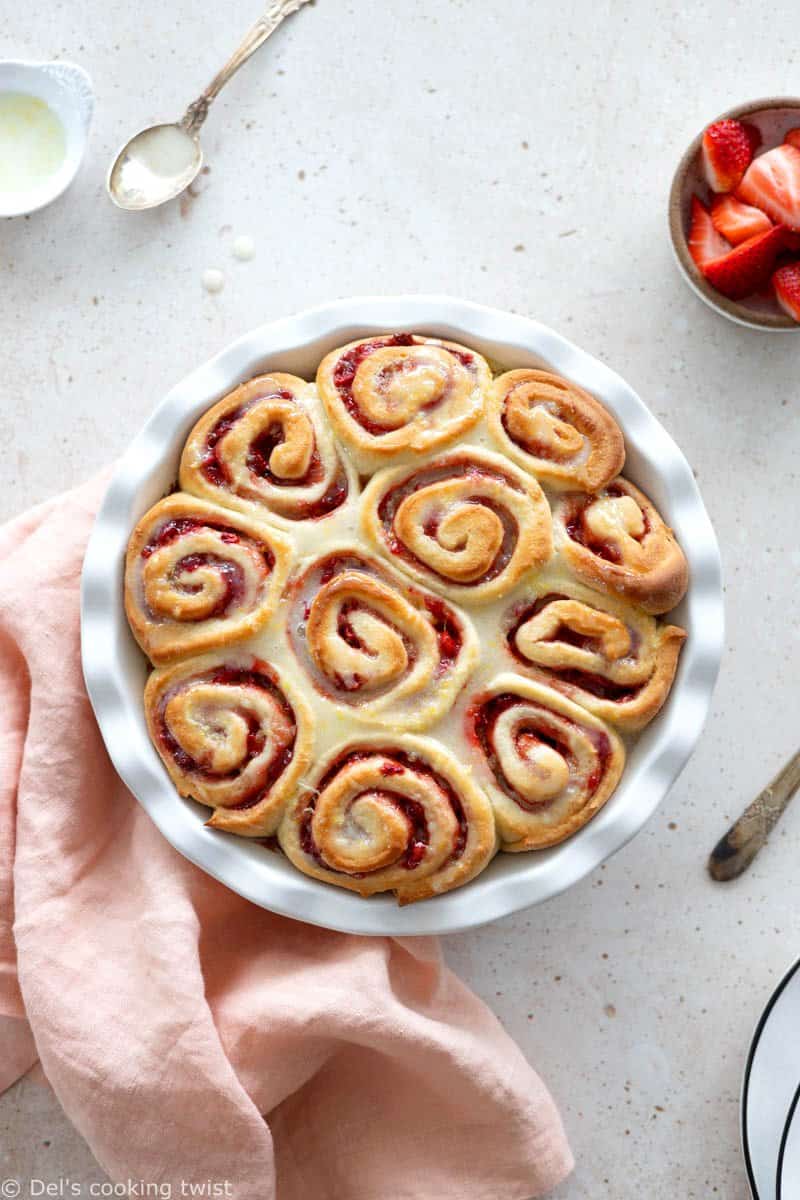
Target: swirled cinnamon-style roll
387,652
265,449
390,813
233,734
555,429
548,764
467,523
400,394
601,652
616,539
198,576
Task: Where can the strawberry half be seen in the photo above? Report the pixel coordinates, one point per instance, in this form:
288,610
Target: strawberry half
772,183
747,267
786,282
704,242
793,138
727,153
737,221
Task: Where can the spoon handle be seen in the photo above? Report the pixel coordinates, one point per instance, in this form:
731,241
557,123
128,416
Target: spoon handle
276,13
737,849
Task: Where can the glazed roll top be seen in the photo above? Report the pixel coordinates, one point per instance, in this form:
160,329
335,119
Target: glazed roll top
391,814
400,393
555,429
616,539
233,735
468,523
198,575
605,654
390,653
548,764
265,449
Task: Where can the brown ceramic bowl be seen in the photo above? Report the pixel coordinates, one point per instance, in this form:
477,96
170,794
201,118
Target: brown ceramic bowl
774,116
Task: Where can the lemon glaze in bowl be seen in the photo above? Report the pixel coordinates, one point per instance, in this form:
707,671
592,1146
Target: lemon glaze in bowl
773,117
115,669
66,90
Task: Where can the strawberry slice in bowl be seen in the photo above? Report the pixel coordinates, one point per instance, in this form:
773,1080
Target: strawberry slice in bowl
728,148
772,183
747,268
737,221
705,241
786,282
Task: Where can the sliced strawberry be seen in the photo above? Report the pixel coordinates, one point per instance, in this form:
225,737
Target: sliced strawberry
737,221
793,138
786,282
772,183
727,153
746,268
704,242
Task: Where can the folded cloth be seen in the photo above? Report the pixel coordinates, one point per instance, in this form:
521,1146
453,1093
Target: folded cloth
189,1035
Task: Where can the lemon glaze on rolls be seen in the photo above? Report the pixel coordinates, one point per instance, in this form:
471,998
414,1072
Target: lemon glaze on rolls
399,395
394,814
555,429
616,540
607,655
233,734
265,449
547,763
402,616
198,575
467,523
369,640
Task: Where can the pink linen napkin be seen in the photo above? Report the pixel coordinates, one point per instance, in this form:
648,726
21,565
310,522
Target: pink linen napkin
188,1034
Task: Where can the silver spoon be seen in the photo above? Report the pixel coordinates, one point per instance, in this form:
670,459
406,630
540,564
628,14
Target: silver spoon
736,850
159,163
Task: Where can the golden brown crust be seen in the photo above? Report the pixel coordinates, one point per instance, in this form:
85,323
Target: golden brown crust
617,540
233,734
390,813
198,576
606,655
548,765
264,449
395,395
386,651
555,429
467,523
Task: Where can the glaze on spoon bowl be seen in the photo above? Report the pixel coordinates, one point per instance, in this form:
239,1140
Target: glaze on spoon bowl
155,166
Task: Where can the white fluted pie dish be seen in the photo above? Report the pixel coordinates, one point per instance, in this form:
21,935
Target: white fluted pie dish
116,670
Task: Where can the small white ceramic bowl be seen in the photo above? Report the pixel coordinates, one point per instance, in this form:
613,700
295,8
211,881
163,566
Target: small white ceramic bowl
115,669
67,90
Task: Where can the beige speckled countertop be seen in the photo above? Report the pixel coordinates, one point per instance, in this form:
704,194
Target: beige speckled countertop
518,155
